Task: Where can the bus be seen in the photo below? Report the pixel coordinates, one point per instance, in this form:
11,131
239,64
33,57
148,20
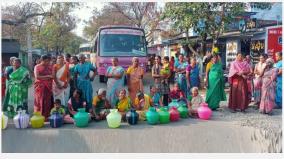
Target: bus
123,42
85,48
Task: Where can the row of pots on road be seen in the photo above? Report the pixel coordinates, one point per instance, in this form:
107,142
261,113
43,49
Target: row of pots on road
154,116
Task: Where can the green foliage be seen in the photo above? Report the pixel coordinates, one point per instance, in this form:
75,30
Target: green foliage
55,33
205,18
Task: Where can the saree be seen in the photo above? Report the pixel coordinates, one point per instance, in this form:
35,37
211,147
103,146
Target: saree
123,105
18,86
258,82
83,81
156,69
194,75
239,95
278,98
8,71
72,80
267,102
114,85
3,84
215,91
135,83
180,78
43,101
62,78
142,112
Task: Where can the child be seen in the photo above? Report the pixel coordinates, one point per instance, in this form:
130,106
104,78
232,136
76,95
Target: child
165,69
176,93
155,96
142,102
59,108
101,105
194,102
123,103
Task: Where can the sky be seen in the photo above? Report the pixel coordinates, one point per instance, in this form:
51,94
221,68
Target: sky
85,13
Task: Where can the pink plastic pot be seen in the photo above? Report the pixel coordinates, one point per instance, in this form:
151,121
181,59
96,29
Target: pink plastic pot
204,112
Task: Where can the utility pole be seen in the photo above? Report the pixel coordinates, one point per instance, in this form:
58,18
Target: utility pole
29,45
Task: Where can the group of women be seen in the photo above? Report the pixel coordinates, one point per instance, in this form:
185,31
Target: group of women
267,84
59,79
263,82
187,76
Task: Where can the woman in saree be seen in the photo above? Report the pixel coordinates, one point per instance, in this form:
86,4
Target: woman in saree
18,86
134,78
238,74
73,62
7,72
180,76
61,78
215,86
83,79
258,70
115,82
156,69
43,101
267,102
192,74
278,65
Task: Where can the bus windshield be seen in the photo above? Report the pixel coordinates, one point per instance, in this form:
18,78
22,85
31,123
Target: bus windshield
122,45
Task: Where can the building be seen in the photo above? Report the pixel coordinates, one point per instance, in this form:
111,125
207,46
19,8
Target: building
10,48
255,27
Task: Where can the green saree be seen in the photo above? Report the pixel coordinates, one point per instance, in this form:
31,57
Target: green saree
18,86
215,91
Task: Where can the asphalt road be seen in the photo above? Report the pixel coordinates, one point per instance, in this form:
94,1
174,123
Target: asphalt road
186,135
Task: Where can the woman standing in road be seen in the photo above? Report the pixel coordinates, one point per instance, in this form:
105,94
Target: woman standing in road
267,102
18,86
43,101
83,79
216,85
192,74
278,98
258,70
134,78
180,77
238,75
115,82
73,62
156,69
61,78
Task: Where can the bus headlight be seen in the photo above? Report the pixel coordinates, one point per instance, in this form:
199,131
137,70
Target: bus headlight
105,65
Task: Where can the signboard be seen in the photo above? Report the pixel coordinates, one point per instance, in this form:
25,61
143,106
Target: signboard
274,41
231,51
122,31
265,23
251,23
257,47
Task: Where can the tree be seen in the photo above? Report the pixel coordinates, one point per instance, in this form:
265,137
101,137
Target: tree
50,24
55,33
208,19
107,16
18,18
142,14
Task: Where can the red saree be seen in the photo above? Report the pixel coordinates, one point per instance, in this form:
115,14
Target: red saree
43,91
239,92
